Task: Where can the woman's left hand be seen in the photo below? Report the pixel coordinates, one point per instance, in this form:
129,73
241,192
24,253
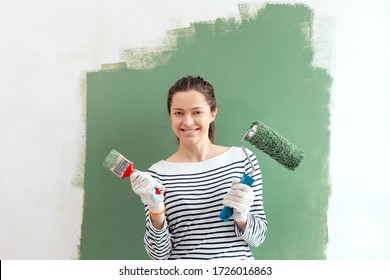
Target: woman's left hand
240,197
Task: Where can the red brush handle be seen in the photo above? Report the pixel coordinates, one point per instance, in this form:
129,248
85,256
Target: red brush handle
128,171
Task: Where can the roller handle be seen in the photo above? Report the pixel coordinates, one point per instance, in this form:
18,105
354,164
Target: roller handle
227,212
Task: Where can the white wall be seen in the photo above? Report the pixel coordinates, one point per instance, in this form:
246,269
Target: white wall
48,45
359,224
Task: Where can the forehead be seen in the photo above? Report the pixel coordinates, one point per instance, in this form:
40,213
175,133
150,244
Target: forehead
188,99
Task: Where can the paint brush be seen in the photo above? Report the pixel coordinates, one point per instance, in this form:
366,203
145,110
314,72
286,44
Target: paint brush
122,167
118,164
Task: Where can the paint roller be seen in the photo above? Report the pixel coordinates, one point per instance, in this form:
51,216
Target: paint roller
272,143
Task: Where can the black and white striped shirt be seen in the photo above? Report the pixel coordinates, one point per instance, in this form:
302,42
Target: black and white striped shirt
193,199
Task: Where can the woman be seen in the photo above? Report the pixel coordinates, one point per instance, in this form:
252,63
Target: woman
184,194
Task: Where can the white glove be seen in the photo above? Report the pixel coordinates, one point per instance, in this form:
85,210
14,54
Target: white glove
240,197
150,191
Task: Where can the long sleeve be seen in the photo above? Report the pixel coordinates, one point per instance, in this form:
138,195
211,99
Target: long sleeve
157,242
255,231
256,228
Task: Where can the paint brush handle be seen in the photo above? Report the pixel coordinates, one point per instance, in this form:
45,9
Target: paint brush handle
227,212
128,171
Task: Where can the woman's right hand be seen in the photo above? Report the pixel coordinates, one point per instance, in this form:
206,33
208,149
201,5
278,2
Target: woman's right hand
150,191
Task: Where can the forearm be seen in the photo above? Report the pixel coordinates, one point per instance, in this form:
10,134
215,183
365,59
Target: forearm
157,220
242,225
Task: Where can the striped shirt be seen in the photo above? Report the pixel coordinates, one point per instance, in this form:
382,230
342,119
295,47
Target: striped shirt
193,199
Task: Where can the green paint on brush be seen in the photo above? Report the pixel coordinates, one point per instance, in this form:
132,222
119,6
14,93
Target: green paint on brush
111,160
276,146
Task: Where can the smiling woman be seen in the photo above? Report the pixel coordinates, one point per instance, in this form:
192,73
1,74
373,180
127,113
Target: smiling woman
198,180
192,107
197,92
191,115
191,119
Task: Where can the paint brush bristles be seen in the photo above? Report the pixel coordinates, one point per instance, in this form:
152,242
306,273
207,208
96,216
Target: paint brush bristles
275,145
118,164
111,159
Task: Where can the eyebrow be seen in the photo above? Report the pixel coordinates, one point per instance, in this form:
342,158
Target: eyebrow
195,108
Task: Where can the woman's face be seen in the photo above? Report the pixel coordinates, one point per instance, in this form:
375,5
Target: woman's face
191,116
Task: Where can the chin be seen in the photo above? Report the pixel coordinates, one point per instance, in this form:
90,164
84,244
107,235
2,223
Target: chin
189,140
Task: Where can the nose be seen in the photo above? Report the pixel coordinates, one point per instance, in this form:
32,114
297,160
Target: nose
188,120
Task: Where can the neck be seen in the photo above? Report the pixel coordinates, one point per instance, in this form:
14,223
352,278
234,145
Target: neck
195,153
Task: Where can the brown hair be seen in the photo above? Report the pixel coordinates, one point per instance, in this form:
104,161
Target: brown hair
200,85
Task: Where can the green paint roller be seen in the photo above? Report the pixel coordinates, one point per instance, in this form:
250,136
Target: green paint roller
272,143
275,145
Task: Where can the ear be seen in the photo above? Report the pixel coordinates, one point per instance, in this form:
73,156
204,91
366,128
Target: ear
214,115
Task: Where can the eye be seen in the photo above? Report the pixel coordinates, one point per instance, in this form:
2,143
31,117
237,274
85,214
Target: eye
178,113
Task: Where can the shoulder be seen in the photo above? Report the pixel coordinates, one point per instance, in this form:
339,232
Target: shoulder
219,150
234,153
157,170
156,167
240,152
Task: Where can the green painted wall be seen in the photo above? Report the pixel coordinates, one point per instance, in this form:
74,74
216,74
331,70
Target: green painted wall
261,70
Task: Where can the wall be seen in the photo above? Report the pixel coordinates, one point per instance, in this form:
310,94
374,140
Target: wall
261,69
42,113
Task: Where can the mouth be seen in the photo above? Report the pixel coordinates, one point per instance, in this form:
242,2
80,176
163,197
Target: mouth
189,130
